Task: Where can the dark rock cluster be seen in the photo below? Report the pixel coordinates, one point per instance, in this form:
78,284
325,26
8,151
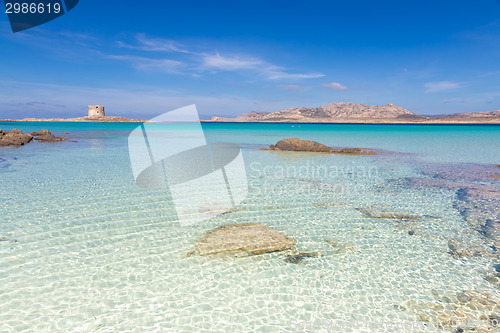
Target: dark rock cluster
17,138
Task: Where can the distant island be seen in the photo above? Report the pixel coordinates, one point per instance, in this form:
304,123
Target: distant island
360,113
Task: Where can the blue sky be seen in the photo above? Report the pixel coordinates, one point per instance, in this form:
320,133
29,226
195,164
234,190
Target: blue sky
141,59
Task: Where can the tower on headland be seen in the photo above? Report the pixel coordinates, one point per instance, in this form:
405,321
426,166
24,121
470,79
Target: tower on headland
96,111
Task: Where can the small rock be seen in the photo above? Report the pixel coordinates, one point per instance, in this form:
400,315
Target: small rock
463,298
299,258
50,138
411,232
41,132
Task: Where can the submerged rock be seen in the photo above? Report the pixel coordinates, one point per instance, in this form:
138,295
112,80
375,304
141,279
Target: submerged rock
299,258
380,212
296,144
478,203
464,311
243,240
339,247
464,173
480,206
459,249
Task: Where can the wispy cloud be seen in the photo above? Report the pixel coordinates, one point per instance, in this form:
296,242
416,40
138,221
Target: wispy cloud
334,85
228,63
441,86
199,61
148,64
146,43
274,72
292,87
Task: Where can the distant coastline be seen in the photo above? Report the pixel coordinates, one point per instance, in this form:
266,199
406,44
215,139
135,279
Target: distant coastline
81,119
472,120
335,113
361,113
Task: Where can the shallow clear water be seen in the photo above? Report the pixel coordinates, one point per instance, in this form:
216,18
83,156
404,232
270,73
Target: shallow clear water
85,249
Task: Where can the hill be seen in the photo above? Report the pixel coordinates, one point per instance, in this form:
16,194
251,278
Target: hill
328,112
351,112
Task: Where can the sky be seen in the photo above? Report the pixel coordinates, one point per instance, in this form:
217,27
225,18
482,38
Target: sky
141,59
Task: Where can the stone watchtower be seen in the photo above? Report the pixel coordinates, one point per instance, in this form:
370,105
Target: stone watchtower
96,111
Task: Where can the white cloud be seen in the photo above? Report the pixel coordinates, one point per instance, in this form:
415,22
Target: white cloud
334,85
226,63
234,63
441,86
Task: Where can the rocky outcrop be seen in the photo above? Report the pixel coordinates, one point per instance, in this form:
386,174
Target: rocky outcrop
14,138
242,240
296,144
41,132
17,138
45,136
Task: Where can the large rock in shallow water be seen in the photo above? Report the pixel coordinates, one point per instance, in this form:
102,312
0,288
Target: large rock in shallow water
14,138
18,138
296,144
242,240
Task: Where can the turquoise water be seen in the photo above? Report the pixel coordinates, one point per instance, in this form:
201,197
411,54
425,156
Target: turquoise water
85,249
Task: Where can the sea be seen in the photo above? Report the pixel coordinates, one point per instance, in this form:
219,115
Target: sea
405,240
